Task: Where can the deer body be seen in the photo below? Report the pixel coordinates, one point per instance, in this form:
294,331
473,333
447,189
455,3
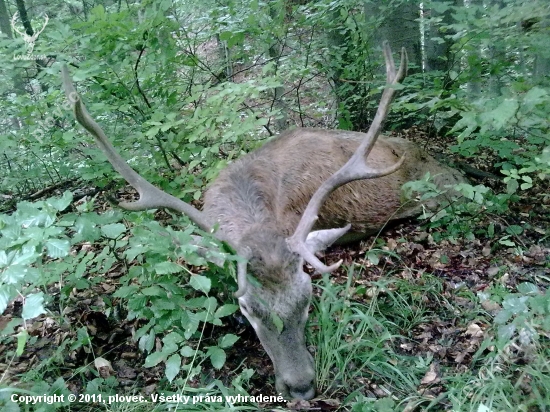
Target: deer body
278,205
273,185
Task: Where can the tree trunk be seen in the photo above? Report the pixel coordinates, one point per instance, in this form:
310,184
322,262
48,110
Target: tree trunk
399,25
18,83
541,68
474,55
275,51
22,9
437,43
5,24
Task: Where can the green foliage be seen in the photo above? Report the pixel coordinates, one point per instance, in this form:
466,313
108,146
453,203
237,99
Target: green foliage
468,205
494,94
511,366
35,246
524,318
28,238
155,291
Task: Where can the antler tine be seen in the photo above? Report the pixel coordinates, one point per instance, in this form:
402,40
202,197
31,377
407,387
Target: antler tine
356,167
150,197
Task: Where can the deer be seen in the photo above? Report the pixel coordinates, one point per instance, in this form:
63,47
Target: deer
281,204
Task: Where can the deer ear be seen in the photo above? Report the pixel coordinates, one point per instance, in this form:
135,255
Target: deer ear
321,239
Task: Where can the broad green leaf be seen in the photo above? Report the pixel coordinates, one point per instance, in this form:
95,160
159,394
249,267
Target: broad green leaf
226,310
514,229
172,338
60,203
22,338
154,359
217,356
192,324
33,306
372,256
14,274
506,332
7,292
503,113
200,283
187,351
195,303
27,255
173,364
515,304
113,230
126,291
512,186
506,241
525,186
153,291
165,268
228,340
57,248
533,97
147,342
3,259
528,288
503,316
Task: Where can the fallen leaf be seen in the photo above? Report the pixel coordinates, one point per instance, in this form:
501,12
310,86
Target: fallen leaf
490,306
431,376
103,366
474,330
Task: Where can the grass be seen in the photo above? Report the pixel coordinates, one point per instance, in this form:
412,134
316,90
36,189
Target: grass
359,360
355,346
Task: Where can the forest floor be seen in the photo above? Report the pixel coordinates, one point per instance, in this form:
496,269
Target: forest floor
463,268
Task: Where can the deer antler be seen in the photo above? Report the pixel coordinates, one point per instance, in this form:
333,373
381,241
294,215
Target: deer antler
13,19
36,34
150,197
356,168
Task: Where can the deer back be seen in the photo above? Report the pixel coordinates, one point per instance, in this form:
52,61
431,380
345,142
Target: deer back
273,185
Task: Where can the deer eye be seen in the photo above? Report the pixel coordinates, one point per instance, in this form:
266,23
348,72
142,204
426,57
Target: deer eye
244,307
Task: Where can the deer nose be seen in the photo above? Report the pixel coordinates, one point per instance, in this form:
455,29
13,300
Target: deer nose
295,391
305,392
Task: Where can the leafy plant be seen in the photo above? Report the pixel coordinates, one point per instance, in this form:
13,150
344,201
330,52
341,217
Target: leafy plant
28,238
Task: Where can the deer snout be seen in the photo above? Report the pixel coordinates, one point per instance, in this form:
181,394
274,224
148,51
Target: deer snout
306,392
296,387
298,380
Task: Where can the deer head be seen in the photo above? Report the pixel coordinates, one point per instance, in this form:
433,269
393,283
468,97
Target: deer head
29,39
277,302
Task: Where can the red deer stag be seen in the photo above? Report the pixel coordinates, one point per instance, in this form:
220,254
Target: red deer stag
267,204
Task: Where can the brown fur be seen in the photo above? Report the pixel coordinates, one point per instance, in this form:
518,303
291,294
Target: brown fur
285,172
